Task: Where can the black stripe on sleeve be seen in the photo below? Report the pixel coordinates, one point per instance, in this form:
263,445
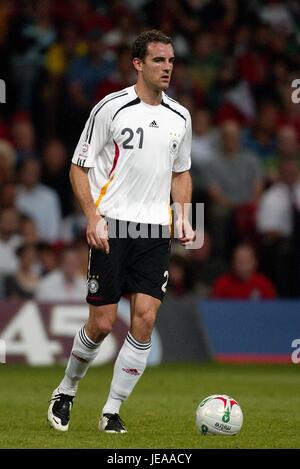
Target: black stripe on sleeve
174,110
89,133
100,104
131,103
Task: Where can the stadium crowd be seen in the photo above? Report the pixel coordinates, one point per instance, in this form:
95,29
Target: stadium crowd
235,64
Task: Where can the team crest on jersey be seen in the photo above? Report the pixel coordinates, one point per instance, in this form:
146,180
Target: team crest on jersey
93,285
173,146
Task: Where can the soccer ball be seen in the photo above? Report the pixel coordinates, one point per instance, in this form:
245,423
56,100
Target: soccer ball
219,415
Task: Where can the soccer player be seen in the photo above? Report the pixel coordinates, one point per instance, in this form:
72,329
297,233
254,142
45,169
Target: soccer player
134,152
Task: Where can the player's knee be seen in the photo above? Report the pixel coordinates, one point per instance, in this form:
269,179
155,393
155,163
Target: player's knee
104,327
99,328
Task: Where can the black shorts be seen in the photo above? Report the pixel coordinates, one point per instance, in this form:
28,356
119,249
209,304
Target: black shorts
137,263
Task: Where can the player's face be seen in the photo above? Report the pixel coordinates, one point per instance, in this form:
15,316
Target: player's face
158,65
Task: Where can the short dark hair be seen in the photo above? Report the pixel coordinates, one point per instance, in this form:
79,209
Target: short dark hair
140,45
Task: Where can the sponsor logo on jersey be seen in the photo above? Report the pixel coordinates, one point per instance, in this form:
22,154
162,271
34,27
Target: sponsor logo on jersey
131,371
153,124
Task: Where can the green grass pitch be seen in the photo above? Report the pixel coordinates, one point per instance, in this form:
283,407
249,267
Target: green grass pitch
161,411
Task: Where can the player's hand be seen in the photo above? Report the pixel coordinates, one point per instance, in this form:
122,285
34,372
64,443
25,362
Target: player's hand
97,233
186,234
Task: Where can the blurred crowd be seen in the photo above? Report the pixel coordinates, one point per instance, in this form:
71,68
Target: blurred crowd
235,64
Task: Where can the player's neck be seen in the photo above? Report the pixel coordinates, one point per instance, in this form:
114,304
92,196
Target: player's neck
148,96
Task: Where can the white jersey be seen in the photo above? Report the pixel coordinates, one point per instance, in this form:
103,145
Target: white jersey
131,149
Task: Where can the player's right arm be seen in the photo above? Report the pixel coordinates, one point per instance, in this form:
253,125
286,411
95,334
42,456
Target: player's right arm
88,149
96,231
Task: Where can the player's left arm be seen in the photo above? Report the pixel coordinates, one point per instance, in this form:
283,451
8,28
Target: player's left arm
181,186
181,192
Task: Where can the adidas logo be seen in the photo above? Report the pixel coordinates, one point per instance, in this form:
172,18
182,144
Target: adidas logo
153,124
131,371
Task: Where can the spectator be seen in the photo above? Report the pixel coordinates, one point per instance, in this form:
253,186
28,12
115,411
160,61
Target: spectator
275,209
278,223
243,282
204,60
23,135
120,78
277,15
55,173
31,35
63,51
51,88
183,84
229,96
123,33
38,201
64,284
8,194
86,72
287,148
234,176
7,162
204,139
74,225
205,266
24,283
234,184
9,240
261,138
82,79
28,230
83,15
48,258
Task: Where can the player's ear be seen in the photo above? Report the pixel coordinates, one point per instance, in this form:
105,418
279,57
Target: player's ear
138,64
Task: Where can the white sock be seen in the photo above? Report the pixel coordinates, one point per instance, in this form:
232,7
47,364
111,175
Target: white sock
129,367
83,353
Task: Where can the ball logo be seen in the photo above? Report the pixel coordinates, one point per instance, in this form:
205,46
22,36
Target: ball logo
226,416
204,429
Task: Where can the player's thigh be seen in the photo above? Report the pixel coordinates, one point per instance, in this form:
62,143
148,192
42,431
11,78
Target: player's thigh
149,270
105,275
